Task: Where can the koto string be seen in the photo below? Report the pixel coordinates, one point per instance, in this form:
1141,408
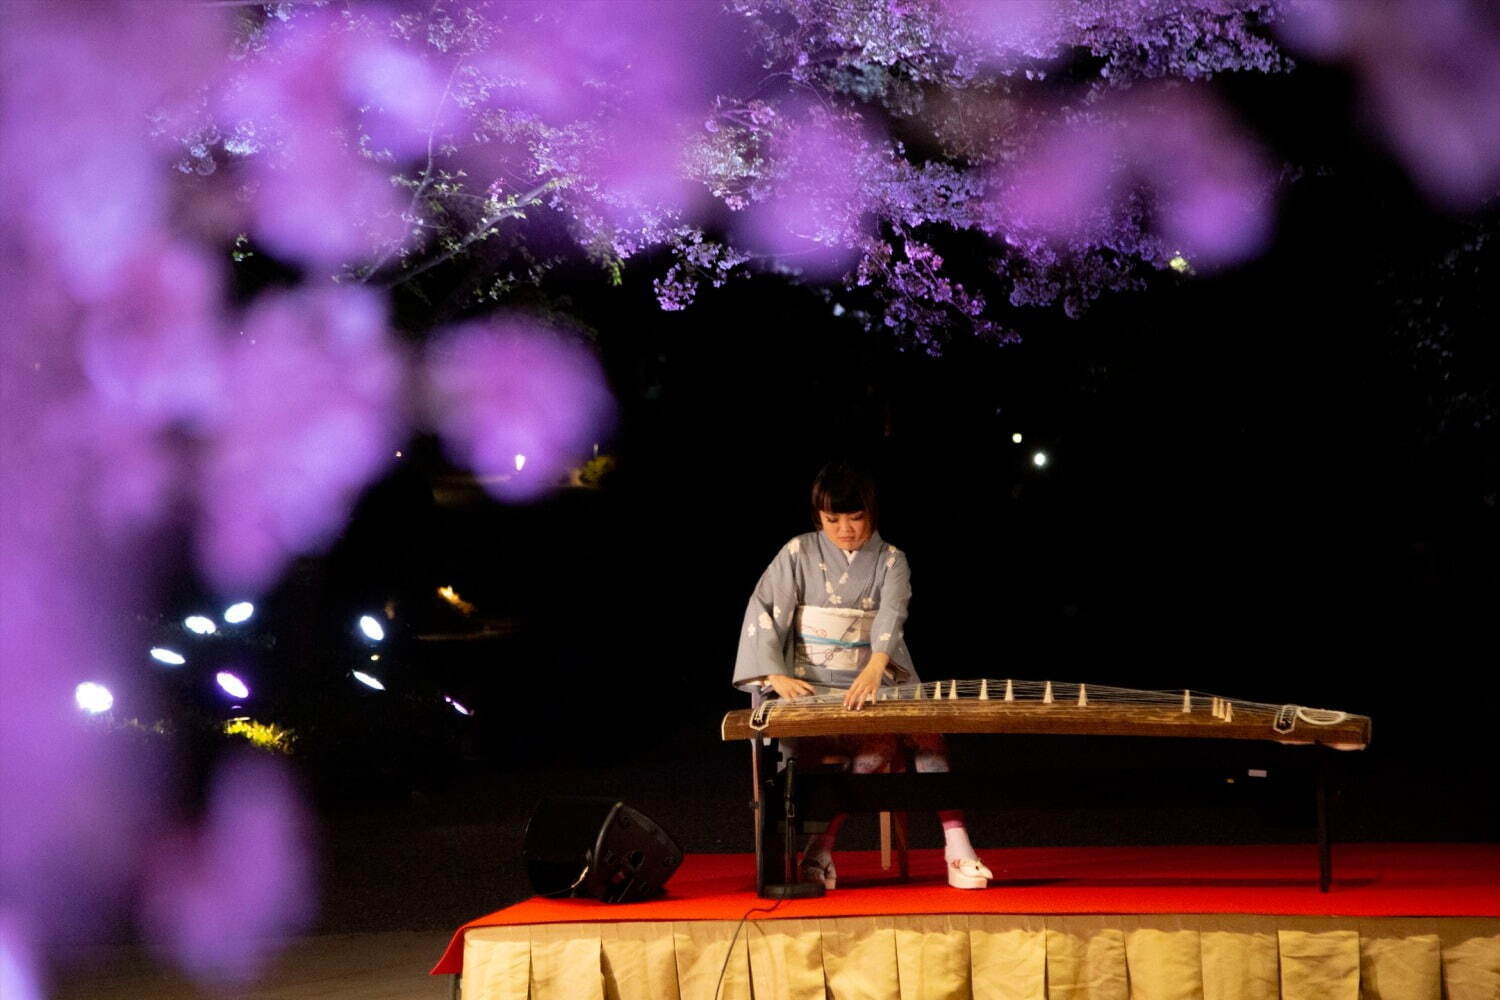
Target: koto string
1066,694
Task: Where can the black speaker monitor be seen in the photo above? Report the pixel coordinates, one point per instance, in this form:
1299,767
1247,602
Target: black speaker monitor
599,848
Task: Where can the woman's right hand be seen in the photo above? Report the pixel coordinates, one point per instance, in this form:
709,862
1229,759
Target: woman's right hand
789,687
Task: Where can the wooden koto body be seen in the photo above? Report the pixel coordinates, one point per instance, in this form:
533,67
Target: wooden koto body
1046,708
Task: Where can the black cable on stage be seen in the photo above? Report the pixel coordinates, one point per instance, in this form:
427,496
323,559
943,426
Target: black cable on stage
736,936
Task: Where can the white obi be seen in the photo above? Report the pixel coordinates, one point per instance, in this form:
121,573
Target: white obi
830,645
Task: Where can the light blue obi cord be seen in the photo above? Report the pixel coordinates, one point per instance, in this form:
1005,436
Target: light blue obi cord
819,640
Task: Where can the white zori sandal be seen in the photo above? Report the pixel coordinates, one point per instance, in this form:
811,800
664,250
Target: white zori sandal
818,870
968,873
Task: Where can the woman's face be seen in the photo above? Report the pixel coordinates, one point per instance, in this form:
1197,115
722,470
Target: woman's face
847,531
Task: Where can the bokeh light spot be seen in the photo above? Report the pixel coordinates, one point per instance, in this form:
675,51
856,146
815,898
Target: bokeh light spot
232,684
170,657
371,627
93,698
199,625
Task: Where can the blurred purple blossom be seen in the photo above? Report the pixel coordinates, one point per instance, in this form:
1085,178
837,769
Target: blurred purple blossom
221,899
322,111
70,803
816,216
1431,73
1016,29
19,979
311,413
1208,186
81,180
507,388
603,99
149,345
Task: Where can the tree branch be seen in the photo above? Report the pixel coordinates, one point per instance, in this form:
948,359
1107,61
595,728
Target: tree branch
481,231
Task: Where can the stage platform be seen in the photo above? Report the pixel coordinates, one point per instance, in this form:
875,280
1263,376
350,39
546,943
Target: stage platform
1408,921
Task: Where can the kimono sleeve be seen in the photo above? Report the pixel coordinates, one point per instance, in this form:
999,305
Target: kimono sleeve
886,635
766,630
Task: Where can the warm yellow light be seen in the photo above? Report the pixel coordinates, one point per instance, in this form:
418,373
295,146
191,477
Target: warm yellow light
451,596
266,735
1180,264
1015,438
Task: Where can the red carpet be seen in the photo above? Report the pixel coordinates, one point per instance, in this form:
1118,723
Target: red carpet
1370,880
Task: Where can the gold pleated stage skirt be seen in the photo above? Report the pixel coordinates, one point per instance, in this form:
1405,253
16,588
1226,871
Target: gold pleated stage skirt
991,957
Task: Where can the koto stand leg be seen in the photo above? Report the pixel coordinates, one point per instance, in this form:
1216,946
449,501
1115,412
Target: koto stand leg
789,824
758,812
1325,847
899,821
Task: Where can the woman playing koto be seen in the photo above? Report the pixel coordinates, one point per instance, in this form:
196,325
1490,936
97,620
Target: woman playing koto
828,614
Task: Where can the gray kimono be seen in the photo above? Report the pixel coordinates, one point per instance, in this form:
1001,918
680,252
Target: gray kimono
819,616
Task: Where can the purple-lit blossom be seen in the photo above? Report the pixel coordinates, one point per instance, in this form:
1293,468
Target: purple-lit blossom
552,121
591,106
507,388
918,300
311,413
1137,39
699,262
1431,72
222,898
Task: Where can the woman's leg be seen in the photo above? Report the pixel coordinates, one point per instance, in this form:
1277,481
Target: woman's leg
965,870
866,755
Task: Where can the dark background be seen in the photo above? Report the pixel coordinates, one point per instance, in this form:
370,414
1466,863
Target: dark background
1276,484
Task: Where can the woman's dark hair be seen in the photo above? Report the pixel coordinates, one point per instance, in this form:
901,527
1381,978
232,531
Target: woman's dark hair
841,488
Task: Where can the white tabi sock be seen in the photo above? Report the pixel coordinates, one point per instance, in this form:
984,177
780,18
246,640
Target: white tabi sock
957,846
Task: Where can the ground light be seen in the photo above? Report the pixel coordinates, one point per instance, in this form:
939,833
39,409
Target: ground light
371,627
240,612
1015,438
232,684
93,698
199,625
1039,459
368,680
170,657
457,707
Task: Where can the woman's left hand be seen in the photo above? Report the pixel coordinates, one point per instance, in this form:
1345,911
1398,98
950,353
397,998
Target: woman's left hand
865,685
